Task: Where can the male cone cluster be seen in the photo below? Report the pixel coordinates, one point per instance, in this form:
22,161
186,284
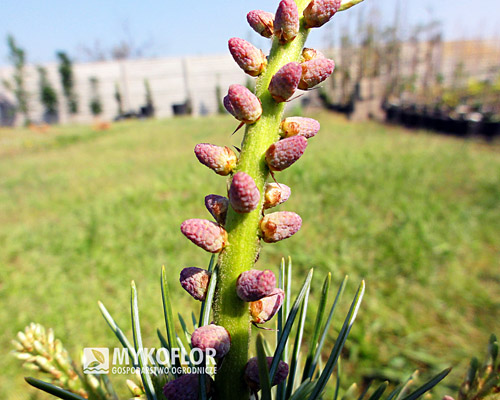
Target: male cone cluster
252,373
256,287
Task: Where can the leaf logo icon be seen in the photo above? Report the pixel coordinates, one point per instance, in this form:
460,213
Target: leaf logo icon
99,356
94,364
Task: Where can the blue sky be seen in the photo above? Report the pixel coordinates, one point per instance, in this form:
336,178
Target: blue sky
199,27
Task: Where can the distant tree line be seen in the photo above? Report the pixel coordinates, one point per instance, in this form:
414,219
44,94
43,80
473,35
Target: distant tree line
48,96
406,61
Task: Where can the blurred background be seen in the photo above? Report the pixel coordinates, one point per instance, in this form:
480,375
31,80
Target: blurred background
101,105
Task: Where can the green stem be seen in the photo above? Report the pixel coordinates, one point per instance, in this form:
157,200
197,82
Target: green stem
229,311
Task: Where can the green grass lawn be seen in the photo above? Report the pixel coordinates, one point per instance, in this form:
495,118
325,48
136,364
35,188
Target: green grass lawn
82,213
